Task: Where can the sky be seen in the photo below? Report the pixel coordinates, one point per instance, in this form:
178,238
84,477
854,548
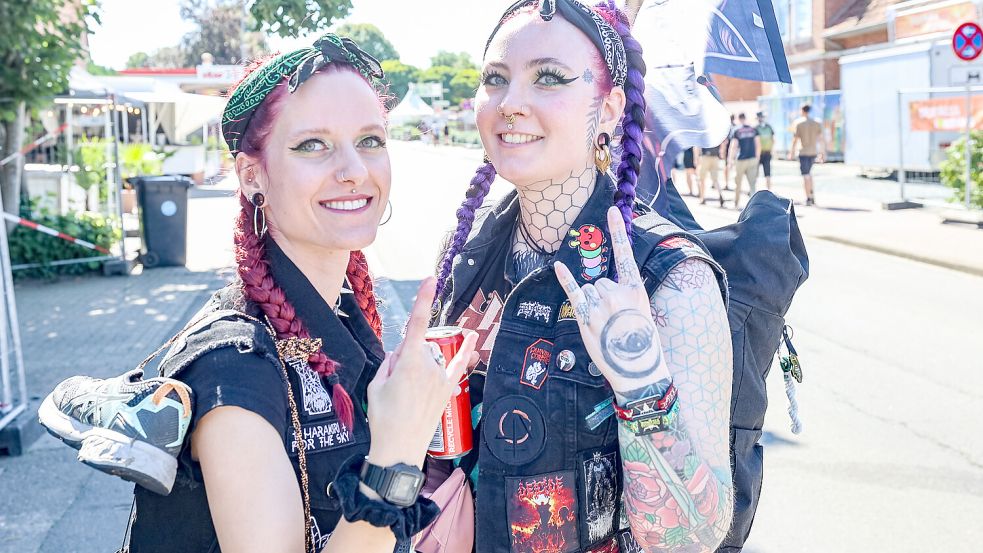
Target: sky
417,28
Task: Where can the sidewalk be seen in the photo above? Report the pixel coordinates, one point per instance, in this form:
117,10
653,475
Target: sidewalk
849,211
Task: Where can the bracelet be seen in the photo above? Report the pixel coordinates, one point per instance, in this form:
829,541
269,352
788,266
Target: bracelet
659,422
405,522
651,406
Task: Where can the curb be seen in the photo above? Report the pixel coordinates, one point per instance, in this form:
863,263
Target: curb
978,271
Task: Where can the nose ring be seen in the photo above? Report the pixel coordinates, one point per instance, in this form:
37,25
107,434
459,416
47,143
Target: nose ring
510,121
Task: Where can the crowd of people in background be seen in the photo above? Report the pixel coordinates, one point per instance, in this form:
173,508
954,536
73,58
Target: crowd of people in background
746,149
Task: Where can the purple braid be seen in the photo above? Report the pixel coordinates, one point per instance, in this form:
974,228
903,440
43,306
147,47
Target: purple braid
633,122
480,185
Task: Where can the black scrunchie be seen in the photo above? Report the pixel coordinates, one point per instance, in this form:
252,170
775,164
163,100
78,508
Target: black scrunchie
405,522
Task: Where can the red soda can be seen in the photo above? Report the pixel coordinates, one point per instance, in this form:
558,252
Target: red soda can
453,437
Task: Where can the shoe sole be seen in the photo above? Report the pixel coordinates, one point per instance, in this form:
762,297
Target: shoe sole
110,451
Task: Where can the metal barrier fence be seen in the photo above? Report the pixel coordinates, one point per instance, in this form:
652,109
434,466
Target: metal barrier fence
827,108
930,121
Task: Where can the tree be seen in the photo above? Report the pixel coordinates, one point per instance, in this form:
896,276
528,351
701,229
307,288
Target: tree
292,18
457,60
219,32
370,39
399,76
442,74
40,41
464,84
138,60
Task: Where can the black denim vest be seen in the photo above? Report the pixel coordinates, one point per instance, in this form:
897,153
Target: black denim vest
549,476
225,321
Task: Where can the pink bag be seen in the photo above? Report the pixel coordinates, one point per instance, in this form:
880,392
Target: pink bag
453,531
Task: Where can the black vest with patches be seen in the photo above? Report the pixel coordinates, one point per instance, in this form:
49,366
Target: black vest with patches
550,474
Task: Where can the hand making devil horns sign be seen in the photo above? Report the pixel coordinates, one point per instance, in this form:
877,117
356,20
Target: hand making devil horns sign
615,318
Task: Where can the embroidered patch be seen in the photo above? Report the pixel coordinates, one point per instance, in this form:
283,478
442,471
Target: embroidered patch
589,241
483,317
535,365
602,411
610,546
627,543
514,430
600,495
542,512
319,540
566,312
317,400
322,436
534,311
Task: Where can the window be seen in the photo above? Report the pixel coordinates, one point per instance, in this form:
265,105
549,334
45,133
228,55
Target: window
794,19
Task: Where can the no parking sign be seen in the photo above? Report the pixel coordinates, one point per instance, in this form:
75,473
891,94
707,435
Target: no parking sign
967,41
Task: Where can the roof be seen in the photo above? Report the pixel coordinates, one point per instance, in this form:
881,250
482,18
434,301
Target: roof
857,17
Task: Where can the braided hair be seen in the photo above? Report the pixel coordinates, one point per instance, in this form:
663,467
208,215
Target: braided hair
253,266
633,123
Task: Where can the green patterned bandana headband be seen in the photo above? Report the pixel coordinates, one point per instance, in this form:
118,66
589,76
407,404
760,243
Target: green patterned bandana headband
298,66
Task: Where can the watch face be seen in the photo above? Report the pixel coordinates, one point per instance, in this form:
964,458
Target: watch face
404,489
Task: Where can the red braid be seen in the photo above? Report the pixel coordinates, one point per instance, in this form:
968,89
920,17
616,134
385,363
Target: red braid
361,281
258,285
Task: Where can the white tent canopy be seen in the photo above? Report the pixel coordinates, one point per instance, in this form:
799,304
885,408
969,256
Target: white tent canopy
412,108
179,113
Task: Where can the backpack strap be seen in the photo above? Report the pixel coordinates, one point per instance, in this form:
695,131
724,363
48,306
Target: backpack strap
660,245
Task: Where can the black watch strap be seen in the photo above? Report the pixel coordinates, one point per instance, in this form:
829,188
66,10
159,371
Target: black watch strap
380,480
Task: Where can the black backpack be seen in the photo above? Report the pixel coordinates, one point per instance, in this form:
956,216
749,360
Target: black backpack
766,262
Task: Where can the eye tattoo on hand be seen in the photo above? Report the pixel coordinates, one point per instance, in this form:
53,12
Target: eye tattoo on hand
629,346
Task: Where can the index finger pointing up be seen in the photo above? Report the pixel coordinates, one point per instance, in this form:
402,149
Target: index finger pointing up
416,327
624,259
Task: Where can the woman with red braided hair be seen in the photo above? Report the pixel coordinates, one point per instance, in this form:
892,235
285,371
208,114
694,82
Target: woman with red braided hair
602,397
285,364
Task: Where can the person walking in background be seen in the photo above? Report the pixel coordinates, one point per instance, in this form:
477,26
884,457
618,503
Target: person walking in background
745,146
811,148
725,153
708,163
689,165
767,136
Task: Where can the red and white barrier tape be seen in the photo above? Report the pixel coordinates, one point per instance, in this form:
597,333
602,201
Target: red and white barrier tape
52,232
33,145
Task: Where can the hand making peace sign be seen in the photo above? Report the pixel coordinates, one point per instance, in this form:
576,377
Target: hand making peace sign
615,318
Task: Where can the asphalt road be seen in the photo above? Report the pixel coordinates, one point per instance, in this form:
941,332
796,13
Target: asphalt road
891,457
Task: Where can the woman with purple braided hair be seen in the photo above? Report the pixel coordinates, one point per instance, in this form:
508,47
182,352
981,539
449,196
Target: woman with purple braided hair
601,402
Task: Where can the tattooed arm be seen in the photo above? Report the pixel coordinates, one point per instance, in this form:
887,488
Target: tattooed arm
678,488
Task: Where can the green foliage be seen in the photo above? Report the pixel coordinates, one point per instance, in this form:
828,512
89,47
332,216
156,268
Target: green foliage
30,246
95,69
398,77
457,60
40,41
952,171
370,39
405,132
442,74
92,157
218,31
293,18
464,84
139,159
138,60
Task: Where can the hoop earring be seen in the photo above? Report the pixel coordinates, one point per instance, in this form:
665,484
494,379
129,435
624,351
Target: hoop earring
259,201
389,204
602,152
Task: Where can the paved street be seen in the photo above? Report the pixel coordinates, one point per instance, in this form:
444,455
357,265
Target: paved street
891,458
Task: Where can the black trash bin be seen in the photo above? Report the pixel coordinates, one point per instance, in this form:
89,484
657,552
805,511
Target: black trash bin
163,202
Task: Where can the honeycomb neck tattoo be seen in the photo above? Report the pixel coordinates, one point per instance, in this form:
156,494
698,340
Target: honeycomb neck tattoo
547,209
